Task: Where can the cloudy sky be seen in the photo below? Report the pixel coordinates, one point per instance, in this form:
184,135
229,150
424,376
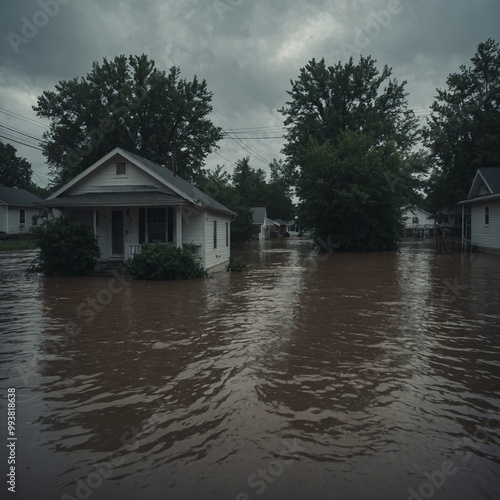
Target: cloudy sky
247,50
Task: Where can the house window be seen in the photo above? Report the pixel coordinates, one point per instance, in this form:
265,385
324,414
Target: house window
227,234
156,221
487,215
215,234
22,216
120,168
415,220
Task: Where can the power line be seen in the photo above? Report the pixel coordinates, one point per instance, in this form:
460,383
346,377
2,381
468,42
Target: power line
24,118
21,133
247,148
19,142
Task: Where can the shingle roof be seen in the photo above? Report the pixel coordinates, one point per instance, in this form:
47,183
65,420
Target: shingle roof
492,176
17,197
131,198
181,184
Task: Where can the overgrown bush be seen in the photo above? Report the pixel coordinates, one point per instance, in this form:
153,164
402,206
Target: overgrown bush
160,261
236,264
67,248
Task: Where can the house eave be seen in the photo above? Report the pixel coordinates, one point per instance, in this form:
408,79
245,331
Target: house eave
481,199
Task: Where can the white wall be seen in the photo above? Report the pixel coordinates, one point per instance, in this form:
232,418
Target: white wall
104,176
486,236
410,213
3,217
220,255
9,219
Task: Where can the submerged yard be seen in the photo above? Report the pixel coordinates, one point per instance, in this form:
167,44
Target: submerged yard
337,376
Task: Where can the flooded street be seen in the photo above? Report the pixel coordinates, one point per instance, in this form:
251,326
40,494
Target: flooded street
350,376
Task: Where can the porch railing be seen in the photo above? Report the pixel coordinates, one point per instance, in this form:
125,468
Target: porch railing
131,250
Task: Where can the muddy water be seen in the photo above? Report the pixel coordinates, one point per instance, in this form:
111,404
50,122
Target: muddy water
343,377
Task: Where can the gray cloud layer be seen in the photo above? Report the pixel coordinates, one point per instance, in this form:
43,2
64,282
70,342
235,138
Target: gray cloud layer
246,50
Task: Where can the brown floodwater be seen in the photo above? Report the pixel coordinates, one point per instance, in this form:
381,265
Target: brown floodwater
346,376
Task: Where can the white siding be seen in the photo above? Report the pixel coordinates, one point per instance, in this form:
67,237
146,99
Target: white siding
486,236
105,176
3,218
410,213
220,255
12,223
192,226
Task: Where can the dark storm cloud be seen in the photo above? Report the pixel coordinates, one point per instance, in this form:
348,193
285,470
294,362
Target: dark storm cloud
247,50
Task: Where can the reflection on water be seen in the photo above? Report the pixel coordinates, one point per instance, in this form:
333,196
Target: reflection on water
345,376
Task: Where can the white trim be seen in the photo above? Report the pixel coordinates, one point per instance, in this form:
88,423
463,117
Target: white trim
132,160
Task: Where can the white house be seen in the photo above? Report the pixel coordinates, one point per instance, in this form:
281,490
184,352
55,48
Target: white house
262,225
484,203
17,210
129,200
416,221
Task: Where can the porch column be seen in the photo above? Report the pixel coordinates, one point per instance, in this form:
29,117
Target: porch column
178,227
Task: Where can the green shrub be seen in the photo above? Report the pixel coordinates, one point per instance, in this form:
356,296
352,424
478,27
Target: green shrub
67,248
236,264
160,261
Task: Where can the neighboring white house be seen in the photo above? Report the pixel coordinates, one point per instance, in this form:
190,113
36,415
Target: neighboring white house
415,220
484,203
262,225
17,210
414,216
129,200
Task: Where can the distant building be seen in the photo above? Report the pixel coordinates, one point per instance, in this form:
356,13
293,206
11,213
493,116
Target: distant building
481,211
416,221
263,227
18,213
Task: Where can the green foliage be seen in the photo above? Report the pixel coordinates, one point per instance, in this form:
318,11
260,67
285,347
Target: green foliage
347,199
14,170
463,132
127,102
160,261
218,185
67,248
349,151
236,265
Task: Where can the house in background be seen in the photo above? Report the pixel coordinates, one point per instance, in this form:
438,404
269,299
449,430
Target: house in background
450,220
129,200
263,227
18,214
481,211
416,221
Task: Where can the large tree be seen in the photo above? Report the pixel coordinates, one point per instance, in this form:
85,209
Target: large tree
128,102
350,139
218,184
14,170
463,132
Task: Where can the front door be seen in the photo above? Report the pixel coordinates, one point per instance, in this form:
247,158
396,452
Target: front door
117,232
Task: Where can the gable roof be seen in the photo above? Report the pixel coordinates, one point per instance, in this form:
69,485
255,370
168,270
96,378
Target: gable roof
175,183
489,177
17,197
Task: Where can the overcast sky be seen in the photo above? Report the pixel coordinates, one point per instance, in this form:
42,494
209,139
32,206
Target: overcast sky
246,50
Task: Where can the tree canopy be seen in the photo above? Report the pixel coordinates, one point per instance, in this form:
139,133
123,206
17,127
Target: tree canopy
14,170
129,103
350,138
463,132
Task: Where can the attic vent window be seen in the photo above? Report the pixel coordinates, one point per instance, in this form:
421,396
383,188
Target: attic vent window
120,168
